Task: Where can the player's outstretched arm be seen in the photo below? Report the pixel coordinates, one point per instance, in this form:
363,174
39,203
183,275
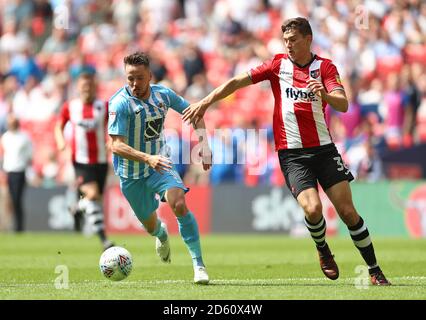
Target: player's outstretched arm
121,148
196,111
205,151
59,136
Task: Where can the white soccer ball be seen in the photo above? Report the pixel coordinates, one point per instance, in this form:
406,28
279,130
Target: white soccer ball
116,263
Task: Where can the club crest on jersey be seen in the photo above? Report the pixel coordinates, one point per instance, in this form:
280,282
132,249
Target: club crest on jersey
315,73
162,106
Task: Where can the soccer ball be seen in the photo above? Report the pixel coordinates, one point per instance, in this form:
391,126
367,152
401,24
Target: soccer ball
116,263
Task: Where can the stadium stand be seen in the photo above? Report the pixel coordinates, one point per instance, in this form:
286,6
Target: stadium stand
379,49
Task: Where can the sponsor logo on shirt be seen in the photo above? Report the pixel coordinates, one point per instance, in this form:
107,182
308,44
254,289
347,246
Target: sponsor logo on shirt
88,124
300,95
153,128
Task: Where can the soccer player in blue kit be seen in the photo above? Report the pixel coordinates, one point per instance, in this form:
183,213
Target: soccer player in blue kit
140,157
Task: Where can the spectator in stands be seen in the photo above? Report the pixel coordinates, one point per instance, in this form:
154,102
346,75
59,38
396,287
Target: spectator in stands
17,155
158,67
41,23
412,100
193,63
421,111
23,65
225,158
21,10
394,111
22,102
4,107
231,31
58,42
382,38
199,88
12,40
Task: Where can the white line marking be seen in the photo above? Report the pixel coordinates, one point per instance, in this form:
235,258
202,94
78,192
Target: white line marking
214,281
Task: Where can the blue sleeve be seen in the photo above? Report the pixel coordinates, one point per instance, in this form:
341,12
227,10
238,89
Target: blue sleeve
118,117
177,103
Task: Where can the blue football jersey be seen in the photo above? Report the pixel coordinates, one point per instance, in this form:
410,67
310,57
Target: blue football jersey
141,122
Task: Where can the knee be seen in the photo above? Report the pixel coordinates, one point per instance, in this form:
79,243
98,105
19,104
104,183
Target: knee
90,191
150,229
179,207
92,194
313,211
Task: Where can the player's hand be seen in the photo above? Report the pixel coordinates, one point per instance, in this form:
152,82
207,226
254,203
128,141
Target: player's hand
160,163
207,157
61,147
194,113
316,87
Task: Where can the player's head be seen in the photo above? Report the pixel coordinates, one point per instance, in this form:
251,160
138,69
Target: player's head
138,74
12,122
297,35
86,84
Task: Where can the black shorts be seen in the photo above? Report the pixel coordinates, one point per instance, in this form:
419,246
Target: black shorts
85,173
304,168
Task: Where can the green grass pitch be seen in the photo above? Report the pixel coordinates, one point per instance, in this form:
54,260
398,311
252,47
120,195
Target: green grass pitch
261,267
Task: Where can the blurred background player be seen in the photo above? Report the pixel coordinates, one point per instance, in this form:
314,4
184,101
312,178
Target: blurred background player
141,158
88,117
303,84
17,156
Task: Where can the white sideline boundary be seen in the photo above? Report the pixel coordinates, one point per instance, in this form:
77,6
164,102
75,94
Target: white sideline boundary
212,281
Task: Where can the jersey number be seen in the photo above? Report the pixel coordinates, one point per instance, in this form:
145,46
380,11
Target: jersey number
340,165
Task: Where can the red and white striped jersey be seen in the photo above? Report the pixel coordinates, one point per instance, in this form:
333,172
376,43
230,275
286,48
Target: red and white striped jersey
299,119
89,126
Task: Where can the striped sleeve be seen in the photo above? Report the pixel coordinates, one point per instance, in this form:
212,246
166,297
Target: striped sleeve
330,77
177,103
118,117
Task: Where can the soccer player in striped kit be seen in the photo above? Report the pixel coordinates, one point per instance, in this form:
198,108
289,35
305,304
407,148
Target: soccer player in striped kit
88,117
303,84
141,158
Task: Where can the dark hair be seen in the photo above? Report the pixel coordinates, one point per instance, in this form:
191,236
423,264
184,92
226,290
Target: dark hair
300,24
86,71
137,59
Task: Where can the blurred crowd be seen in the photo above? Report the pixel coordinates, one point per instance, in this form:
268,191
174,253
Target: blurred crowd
378,47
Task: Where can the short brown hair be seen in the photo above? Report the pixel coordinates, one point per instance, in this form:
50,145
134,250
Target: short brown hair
300,24
137,59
